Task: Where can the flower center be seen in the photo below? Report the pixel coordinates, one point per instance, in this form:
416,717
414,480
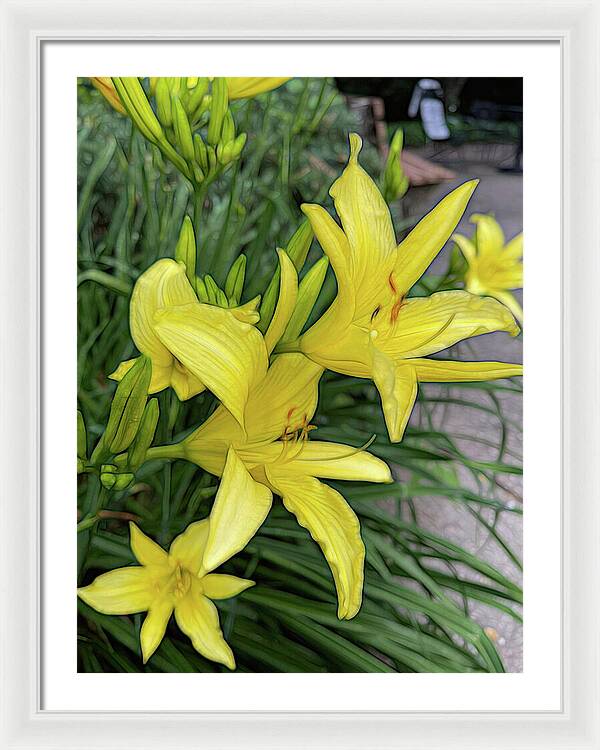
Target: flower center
180,581
298,432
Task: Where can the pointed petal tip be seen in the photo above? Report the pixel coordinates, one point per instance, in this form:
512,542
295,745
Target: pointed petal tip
355,147
347,611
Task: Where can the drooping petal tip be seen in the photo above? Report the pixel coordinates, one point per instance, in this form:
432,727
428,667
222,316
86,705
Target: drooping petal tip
355,147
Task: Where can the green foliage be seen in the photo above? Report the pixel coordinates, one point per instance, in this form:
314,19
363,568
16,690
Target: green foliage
419,587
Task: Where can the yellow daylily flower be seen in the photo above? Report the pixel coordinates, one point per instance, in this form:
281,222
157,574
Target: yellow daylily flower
245,88
166,583
107,88
372,330
237,88
275,456
192,345
495,267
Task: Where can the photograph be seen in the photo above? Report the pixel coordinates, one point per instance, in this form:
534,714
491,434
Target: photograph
299,375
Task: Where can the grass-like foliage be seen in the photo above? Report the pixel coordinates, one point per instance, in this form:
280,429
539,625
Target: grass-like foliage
419,587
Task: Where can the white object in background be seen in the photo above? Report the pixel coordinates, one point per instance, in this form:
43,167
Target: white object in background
428,100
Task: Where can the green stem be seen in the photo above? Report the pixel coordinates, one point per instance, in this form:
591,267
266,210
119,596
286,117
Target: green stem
199,198
287,346
165,451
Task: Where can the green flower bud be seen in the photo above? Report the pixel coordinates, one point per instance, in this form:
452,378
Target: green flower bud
145,436
308,291
238,145
196,95
201,289
201,153
81,436
122,481
138,108
218,109
128,406
225,153
163,102
297,249
228,129
185,250
108,476
108,480
395,182
234,283
216,296
183,132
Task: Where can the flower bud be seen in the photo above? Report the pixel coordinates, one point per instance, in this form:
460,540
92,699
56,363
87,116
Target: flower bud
218,109
163,102
234,283
216,296
297,249
200,153
81,436
138,108
308,291
128,406
196,95
238,145
145,436
395,182
122,481
183,132
201,289
185,250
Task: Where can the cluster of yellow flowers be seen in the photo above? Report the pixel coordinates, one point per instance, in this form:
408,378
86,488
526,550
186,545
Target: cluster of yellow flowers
257,440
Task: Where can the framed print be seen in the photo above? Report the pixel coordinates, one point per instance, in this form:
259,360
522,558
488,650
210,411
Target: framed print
322,298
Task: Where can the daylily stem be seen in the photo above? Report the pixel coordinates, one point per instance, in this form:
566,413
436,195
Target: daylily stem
164,451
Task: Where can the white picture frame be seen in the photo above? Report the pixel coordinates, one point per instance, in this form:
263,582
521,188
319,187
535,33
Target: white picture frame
25,26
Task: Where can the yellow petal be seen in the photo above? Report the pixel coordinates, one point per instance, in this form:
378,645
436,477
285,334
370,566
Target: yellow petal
219,586
164,284
429,324
340,350
364,214
514,248
288,295
198,618
285,399
467,248
339,315
509,299
448,371
240,507
161,375
489,236
335,246
248,312
120,592
334,526
188,548
335,461
222,352
107,88
397,386
154,626
182,382
243,88
146,551
417,251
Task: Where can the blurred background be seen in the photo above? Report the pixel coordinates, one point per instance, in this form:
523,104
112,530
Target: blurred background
454,518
